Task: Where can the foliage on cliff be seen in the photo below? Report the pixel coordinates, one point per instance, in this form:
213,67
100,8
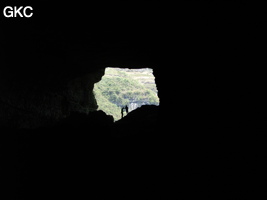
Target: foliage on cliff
119,88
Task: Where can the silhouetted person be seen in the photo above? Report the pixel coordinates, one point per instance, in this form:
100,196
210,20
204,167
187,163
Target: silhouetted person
122,112
126,108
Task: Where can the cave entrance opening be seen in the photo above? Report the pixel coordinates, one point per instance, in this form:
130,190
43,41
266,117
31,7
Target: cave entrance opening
122,87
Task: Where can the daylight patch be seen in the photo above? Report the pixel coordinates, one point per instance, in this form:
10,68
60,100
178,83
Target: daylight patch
122,88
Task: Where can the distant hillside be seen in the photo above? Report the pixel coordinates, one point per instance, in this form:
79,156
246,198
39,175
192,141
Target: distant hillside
120,87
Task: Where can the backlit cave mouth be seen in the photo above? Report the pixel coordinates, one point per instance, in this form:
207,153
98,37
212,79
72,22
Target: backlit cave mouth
122,90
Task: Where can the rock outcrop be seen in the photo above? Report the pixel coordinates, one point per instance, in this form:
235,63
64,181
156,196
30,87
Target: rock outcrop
142,122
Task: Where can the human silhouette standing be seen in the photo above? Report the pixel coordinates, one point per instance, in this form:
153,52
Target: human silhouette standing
126,108
122,112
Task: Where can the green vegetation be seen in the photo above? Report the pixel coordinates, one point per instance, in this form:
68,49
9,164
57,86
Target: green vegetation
120,87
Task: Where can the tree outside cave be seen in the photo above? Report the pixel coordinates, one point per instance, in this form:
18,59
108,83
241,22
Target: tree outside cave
122,86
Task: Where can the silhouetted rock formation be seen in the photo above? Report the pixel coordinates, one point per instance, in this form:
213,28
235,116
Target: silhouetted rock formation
83,121
142,122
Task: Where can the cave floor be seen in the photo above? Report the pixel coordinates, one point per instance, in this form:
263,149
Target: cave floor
42,164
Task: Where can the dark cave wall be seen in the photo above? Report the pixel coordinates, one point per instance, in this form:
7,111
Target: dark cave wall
30,100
